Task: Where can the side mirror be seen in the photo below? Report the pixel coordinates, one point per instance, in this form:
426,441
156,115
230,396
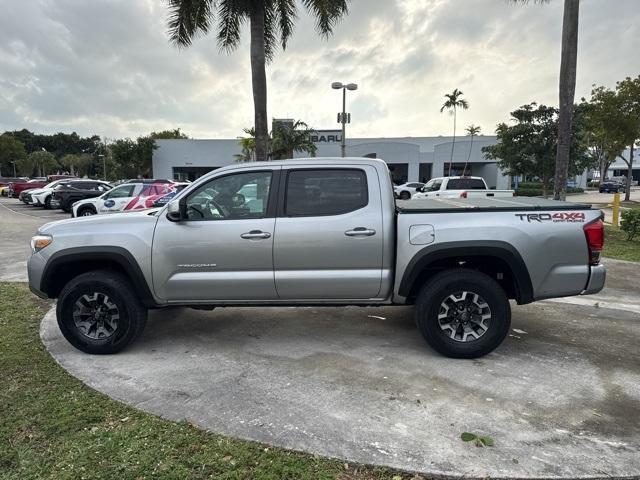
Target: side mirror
175,211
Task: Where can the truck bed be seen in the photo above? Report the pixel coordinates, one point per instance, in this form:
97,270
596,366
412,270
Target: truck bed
448,205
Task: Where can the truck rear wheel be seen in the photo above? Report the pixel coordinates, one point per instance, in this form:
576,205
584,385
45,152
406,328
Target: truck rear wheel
463,313
99,312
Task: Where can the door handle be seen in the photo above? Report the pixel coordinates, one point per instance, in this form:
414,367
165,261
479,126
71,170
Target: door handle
253,234
360,232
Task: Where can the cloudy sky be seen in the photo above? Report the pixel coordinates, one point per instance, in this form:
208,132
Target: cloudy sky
106,67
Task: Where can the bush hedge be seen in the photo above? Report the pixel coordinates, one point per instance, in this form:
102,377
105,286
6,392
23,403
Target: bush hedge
537,191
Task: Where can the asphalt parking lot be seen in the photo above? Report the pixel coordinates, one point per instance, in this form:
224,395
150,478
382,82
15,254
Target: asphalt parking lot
560,397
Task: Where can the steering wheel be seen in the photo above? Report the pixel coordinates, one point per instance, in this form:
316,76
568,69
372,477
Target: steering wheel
223,211
197,210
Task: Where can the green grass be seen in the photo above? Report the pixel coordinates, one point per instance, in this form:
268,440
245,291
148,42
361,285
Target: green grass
52,426
617,246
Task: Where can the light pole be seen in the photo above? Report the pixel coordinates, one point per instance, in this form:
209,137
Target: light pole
343,118
104,166
14,168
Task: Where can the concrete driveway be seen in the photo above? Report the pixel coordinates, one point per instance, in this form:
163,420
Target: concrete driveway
561,396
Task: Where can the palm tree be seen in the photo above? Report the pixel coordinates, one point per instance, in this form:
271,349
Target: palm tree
282,143
287,139
270,22
568,61
453,102
472,131
248,145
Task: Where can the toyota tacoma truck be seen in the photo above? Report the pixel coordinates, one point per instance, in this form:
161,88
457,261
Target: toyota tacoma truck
459,187
317,232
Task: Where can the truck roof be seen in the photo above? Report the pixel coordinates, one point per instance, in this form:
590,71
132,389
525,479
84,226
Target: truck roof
324,160
435,205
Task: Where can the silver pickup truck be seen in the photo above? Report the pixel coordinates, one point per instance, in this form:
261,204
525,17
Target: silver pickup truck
317,232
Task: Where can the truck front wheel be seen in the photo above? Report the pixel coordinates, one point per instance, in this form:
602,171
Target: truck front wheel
463,313
99,312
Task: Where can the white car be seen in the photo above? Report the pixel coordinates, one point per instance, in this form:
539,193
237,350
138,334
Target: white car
406,190
134,195
460,187
41,197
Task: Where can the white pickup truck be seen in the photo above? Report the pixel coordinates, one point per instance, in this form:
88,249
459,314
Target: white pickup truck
459,187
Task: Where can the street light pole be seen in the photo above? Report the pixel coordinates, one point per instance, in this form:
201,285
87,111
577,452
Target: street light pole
14,169
343,118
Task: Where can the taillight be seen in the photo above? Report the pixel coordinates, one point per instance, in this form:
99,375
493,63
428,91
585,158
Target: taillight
594,233
463,195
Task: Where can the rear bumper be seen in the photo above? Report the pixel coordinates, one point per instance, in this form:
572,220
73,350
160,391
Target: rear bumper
597,277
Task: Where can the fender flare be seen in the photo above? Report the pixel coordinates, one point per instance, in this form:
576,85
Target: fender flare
108,254
491,248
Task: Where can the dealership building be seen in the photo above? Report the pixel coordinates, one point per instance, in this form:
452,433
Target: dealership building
413,159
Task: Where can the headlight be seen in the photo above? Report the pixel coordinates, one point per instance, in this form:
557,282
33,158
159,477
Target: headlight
39,242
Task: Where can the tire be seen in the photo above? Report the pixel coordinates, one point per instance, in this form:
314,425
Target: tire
435,298
405,195
47,203
121,318
86,212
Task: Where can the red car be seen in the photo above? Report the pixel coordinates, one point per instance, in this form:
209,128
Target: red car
16,188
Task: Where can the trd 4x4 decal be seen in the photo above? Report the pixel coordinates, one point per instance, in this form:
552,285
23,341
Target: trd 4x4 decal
552,217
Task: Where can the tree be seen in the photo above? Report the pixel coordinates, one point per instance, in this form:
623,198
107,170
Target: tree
453,102
283,141
628,91
605,126
248,145
287,139
472,131
567,91
125,153
11,150
40,163
75,164
528,147
269,21
169,135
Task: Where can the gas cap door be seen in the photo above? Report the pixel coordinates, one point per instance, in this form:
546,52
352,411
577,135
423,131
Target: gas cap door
421,234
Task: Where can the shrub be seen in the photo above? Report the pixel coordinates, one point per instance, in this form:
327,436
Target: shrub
529,192
631,223
575,190
528,185
593,184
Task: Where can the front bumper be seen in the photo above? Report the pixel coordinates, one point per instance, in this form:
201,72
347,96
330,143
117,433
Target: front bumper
35,268
597,277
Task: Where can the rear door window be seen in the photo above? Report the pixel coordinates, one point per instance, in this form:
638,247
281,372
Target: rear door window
325,192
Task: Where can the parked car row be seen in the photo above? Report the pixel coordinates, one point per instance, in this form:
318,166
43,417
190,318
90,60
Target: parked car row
84,197
449,187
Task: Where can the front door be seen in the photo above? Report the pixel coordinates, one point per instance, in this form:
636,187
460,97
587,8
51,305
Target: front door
329,237
117,199
223,250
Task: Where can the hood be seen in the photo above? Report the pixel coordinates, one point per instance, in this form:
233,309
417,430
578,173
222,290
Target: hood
115,220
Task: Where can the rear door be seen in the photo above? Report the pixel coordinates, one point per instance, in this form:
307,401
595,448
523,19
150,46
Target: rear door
329,238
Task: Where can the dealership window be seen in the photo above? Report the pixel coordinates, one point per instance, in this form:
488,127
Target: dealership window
325,192
189,174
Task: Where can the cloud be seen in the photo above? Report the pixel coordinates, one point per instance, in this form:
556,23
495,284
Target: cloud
106,66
